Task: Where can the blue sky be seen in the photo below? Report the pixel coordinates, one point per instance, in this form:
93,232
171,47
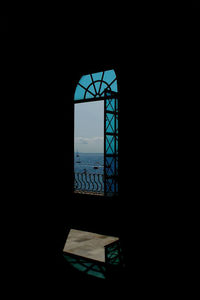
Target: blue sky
89,127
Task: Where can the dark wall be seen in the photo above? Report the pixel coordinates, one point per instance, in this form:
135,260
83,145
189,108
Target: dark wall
3,23
195,4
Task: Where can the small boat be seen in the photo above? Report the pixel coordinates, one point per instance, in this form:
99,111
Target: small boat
77,155
96,166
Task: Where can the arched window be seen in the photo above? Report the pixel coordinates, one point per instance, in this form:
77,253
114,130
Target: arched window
97,87
94,85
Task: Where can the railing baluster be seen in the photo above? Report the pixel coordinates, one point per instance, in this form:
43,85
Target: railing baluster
101,187
80,184
84,188
87,182
75,182
95,182
91,182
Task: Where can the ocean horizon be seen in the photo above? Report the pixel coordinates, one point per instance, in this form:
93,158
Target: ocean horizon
88,152
91,163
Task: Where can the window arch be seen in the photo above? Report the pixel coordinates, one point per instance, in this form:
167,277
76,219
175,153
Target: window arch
94,85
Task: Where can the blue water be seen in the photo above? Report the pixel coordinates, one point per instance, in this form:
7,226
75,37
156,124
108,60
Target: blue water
87,163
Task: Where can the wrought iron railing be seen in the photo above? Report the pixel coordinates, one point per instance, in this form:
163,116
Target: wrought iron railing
92,183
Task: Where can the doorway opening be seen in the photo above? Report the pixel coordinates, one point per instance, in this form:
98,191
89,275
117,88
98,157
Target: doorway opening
96,153
89,148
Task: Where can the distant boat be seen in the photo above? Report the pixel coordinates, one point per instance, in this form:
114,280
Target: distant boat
77,155
96,167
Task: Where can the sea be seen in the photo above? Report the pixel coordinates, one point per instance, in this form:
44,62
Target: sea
87,163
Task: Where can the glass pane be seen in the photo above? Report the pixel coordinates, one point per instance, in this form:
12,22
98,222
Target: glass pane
109,76
110,145
97,76
110,104
117,105
110,123
97,84
110,166
79,93
90,90
85,80
116,124
114,86
103,87
110,186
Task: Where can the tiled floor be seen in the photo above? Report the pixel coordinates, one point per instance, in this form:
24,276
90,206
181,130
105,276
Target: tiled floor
88,244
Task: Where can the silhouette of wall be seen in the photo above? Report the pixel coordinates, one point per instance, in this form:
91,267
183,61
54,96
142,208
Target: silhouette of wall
3,23
195,4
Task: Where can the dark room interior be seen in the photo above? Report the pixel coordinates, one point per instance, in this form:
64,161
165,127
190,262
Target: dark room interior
195,4
141,213
138,221
3,23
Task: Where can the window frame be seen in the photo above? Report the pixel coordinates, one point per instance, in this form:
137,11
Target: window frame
106,95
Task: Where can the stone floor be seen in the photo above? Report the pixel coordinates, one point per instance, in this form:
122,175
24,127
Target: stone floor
87,244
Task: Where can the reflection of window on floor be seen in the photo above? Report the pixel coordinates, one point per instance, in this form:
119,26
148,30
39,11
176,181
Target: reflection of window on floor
86,266
96,134
93,254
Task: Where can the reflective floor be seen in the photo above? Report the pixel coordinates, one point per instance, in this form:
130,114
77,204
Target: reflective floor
87,244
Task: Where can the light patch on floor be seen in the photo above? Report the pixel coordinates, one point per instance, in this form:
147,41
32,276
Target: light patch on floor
88,244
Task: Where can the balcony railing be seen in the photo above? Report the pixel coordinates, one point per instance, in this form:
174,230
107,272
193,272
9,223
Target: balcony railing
89,183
